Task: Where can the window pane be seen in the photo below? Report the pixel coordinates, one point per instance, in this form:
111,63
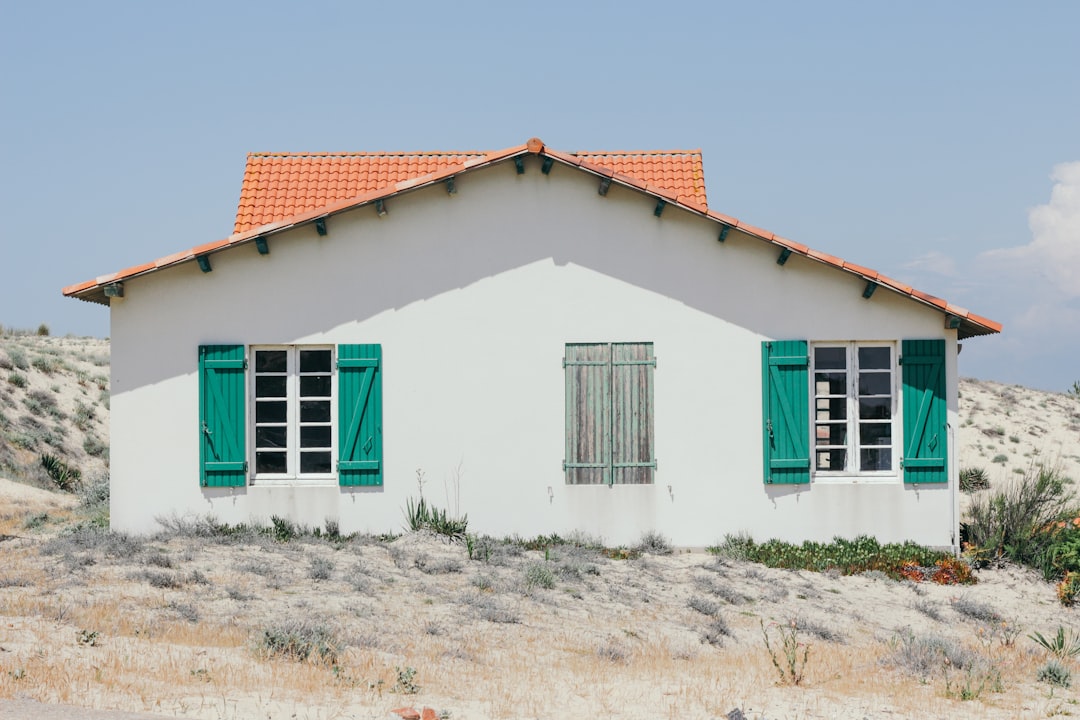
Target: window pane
314,361
830,383
875,358
875,459
874,383
831,459
315,436
831,408
269,462
830,358
831,434
315,411
315,462
315,386
270,361
270,386
271,437
875,433
270,412
879,408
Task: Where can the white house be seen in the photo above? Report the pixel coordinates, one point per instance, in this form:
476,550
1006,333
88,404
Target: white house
557,341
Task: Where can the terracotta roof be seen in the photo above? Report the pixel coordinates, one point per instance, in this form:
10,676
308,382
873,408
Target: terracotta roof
279,185
687,198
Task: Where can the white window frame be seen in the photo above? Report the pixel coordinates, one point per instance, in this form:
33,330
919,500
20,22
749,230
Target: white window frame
292,476
851,471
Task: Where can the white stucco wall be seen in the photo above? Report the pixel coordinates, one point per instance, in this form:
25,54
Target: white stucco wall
473,298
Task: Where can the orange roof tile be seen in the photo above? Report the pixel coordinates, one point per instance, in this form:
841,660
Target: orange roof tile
399,172
279,185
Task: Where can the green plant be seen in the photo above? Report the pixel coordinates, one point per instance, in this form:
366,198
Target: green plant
1063,644
1000,459
1055,673
283,530
421,516
301,640
406,681
972,479
538,574
1069,588
654,543
66,477
1075,389
43,330
1013,522
794,666
17,379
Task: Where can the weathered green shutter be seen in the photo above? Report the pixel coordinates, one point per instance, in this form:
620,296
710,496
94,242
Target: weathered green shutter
925,411
360,415
222,450
785,381
588,414
632,459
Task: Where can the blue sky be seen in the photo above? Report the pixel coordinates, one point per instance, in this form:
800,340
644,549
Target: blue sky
938,143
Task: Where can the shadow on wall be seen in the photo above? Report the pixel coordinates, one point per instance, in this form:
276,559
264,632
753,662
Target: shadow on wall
431,244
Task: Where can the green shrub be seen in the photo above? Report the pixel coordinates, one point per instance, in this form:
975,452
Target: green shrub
538,574
849,557
17,379
1063,645
1014,522
654,543
972,479
419,515
1000,459
94,447
66,477
1055,673
301,640
43,330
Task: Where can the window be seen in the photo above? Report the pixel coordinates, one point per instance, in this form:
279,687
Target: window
848,418
289,413
854,408
609,413
292,396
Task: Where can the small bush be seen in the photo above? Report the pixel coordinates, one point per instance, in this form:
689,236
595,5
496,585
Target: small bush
43,330
162,580
654,543
976,610
1056,673
926,655
703,605
419,515
301,640
973,479
405,684
46,364
716,631
94,447
320,569
66,477
538,574
17,379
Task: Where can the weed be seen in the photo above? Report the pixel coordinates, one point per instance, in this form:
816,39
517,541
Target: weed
43,330
716,631
820,631
654,543
17,379
1000,459
976,610
36,520
160,559
973,479
87,637
794,665
923,655
703,605
67,478
421,516
162,580
611,652
283,530
186,611
405,684
301,640
538,574
1055,673
1065,644
320,569
929,608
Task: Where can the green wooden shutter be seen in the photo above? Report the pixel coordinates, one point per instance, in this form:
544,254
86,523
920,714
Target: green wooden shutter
785,383
588,414
360,450
925,411
632,458
222,450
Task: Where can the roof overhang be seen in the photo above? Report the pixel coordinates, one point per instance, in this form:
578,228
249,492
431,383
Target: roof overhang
102,289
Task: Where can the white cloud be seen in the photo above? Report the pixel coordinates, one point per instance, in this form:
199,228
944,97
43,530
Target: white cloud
1054,251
